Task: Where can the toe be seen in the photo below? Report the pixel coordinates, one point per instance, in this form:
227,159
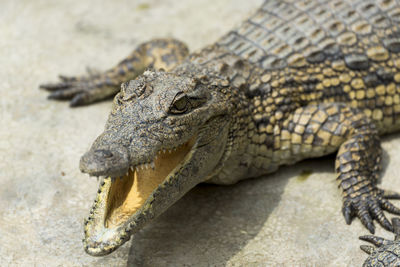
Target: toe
377,213
54,86
386,205
363,213
347,213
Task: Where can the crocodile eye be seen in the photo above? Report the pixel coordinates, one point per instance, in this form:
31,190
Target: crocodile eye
181,104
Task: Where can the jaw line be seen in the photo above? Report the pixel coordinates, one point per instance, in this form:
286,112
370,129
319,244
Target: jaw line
100,240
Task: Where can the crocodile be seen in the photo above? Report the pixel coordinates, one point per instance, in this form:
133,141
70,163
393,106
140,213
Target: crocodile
295,80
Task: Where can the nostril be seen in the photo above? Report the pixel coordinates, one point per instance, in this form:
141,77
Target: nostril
103,153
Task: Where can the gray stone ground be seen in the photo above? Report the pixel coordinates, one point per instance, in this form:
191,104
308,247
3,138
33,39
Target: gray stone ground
286,219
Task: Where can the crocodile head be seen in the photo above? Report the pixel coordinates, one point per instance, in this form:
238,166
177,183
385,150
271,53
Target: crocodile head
165,134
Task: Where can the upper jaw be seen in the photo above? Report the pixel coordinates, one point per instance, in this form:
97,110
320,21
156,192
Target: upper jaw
116,161
112,162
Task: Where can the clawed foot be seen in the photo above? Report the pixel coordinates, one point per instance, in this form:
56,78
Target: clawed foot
384,252
369,206
376,241
82,90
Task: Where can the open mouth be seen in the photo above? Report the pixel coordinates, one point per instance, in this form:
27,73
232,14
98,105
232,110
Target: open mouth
128,194
121,199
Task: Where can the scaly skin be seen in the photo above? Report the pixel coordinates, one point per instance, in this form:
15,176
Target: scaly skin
387,252
163,53
298,79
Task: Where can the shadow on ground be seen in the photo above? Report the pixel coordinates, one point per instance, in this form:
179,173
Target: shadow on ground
211,224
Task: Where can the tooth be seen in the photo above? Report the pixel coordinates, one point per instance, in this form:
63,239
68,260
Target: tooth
147,166
152,165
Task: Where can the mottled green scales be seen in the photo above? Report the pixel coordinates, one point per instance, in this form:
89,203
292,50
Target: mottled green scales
297,79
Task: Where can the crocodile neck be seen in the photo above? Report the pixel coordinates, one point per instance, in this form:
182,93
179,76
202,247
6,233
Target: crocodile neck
256,111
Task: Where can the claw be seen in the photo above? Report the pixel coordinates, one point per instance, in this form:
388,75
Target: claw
64,94
386,224
371,207
367,249
388,194
86,89
377,213
78,100
54,86
347,214
386,205
365,217
370,226
396,228
375,240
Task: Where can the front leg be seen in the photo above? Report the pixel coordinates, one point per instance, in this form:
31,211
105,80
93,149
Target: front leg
159,54
322,129
358,165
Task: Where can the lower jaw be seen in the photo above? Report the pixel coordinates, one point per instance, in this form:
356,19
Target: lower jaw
120,201
100,240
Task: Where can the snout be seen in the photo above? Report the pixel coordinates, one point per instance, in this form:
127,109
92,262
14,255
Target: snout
112,162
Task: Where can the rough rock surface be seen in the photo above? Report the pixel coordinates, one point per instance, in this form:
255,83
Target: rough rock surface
288,218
